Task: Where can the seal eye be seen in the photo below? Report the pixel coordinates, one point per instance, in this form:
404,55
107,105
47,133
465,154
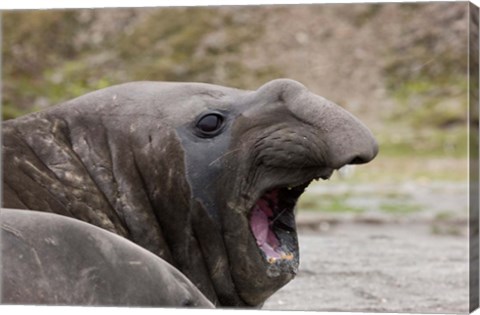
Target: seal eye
210,123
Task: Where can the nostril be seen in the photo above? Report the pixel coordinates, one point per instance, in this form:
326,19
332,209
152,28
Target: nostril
358,160
364,157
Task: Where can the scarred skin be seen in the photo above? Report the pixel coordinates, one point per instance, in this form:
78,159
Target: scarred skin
130,160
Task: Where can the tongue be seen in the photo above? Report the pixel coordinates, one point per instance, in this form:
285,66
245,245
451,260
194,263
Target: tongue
259,224
265,237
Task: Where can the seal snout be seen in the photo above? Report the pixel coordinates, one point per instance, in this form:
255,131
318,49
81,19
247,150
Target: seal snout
338,136
350,142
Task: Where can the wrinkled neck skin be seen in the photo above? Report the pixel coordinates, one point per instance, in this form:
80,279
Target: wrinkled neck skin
81,159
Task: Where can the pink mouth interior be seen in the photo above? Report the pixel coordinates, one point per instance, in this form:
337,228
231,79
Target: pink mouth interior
260,221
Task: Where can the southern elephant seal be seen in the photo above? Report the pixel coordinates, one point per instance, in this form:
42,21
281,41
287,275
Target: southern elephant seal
204,176
52,259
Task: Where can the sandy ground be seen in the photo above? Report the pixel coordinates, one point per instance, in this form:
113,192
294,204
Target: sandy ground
400,267
387,263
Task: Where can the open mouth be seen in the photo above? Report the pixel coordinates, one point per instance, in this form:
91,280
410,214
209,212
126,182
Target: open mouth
263,239
272,222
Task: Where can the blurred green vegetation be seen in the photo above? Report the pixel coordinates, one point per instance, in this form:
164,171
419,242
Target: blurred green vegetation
50,56
328,203
400,207
432,116
348,202
402,168
427,79
55,55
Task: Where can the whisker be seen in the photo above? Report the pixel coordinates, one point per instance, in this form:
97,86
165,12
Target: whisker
226,153
278,216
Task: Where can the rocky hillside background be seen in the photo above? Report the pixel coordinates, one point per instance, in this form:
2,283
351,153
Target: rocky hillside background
401,68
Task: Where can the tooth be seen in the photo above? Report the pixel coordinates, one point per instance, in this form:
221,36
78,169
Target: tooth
287,256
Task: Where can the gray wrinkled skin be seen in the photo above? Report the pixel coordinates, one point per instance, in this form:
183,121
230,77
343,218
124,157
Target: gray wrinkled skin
129,159
90,266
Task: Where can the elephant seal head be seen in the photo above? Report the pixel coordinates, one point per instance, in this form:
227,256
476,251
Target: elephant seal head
204,176
249,157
